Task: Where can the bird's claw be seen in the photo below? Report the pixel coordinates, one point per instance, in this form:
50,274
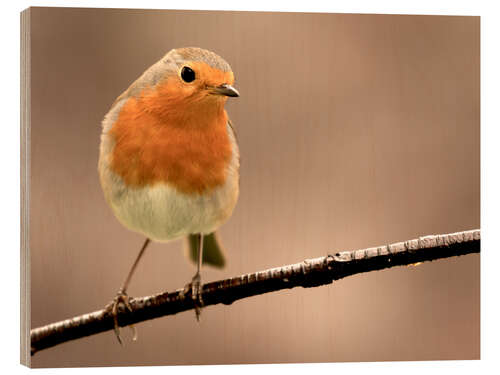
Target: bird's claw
195,287
112,308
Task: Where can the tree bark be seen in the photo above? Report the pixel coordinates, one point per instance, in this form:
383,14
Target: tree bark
309,273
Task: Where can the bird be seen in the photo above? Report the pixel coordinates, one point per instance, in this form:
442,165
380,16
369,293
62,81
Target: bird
169,160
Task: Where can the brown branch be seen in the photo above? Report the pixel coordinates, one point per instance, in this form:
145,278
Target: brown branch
309,273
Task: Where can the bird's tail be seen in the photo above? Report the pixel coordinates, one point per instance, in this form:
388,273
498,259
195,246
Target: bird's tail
213,254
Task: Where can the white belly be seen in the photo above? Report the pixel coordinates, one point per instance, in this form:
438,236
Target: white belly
162,213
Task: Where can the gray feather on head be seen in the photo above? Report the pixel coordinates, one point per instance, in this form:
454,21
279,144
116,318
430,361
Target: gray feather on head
203,55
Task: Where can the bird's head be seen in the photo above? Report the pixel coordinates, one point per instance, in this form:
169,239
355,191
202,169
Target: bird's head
202,74
186,80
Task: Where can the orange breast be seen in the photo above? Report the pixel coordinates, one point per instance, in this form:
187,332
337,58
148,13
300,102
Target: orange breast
187,149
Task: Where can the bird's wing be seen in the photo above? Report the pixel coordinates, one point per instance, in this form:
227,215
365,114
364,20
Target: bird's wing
229,122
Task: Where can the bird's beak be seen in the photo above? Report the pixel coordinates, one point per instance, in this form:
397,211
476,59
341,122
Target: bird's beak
226,90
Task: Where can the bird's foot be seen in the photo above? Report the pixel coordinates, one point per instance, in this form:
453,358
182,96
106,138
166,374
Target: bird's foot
112,308
195,287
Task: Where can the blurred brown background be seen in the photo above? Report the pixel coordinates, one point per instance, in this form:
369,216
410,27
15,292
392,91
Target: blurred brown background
355,131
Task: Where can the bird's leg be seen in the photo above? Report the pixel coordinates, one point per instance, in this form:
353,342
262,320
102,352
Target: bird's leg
196,295
195,285
122,296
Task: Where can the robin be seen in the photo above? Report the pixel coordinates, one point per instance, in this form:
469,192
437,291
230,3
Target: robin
169,160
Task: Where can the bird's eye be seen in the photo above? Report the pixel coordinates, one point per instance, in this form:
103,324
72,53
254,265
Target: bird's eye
187,74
